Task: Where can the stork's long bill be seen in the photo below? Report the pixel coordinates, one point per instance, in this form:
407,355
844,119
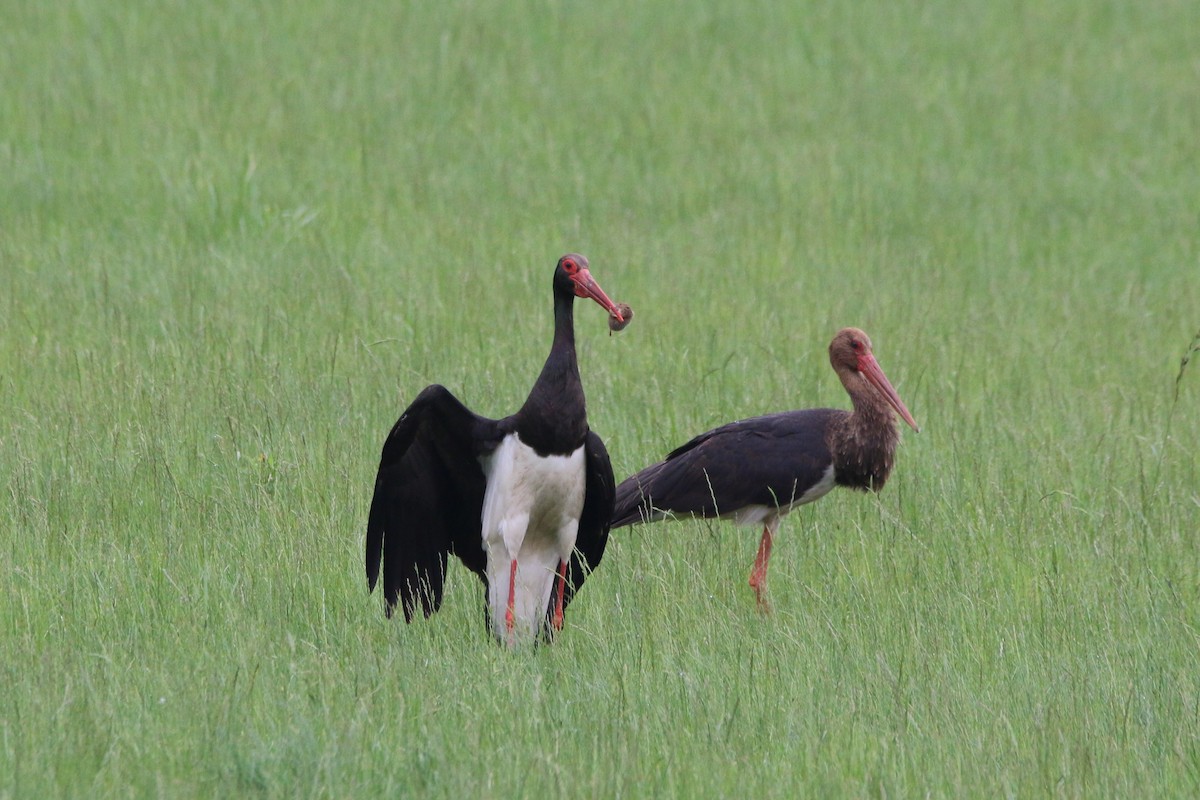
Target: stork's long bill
870,369
586,286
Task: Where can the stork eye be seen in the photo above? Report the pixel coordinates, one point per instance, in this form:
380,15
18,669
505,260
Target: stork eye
856,345
570,266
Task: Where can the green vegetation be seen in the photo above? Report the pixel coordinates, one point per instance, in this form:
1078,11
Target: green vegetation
236,239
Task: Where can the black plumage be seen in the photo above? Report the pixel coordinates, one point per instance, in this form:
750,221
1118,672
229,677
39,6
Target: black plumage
432,479
756,470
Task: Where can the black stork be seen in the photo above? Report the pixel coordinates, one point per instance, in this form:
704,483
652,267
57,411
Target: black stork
756,470
522,501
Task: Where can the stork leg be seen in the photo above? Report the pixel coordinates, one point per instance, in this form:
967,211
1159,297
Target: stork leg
509,615
758,575
556,622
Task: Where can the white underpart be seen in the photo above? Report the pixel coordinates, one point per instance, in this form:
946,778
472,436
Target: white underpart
531,511
759,514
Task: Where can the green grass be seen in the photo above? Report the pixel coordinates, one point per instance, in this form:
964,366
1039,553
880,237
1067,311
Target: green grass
236,240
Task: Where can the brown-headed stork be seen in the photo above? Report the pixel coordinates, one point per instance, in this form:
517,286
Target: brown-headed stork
756,470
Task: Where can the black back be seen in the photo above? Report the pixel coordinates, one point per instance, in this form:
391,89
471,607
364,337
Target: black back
769,460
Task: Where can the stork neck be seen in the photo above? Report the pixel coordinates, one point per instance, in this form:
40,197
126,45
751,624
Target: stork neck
872,412
864,443
564,322
554,417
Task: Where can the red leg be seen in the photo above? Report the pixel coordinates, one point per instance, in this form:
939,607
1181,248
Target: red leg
556,621
758,575
509,617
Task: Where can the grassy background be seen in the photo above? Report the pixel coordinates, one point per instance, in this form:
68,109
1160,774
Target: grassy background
236,239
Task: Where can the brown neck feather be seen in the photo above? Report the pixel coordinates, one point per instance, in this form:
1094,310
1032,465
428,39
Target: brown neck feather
864,441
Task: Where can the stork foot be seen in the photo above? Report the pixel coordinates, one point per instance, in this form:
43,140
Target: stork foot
760,596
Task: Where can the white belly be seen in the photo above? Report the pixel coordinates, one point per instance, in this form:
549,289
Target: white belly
531,511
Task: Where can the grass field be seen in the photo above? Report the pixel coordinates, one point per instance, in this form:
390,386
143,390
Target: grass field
237,239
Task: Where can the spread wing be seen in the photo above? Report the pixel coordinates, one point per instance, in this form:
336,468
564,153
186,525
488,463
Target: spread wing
428,499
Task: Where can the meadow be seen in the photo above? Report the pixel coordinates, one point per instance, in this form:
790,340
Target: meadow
236,239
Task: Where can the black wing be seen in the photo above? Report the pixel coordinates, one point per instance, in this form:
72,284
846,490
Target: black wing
599,493
768,460
428,499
